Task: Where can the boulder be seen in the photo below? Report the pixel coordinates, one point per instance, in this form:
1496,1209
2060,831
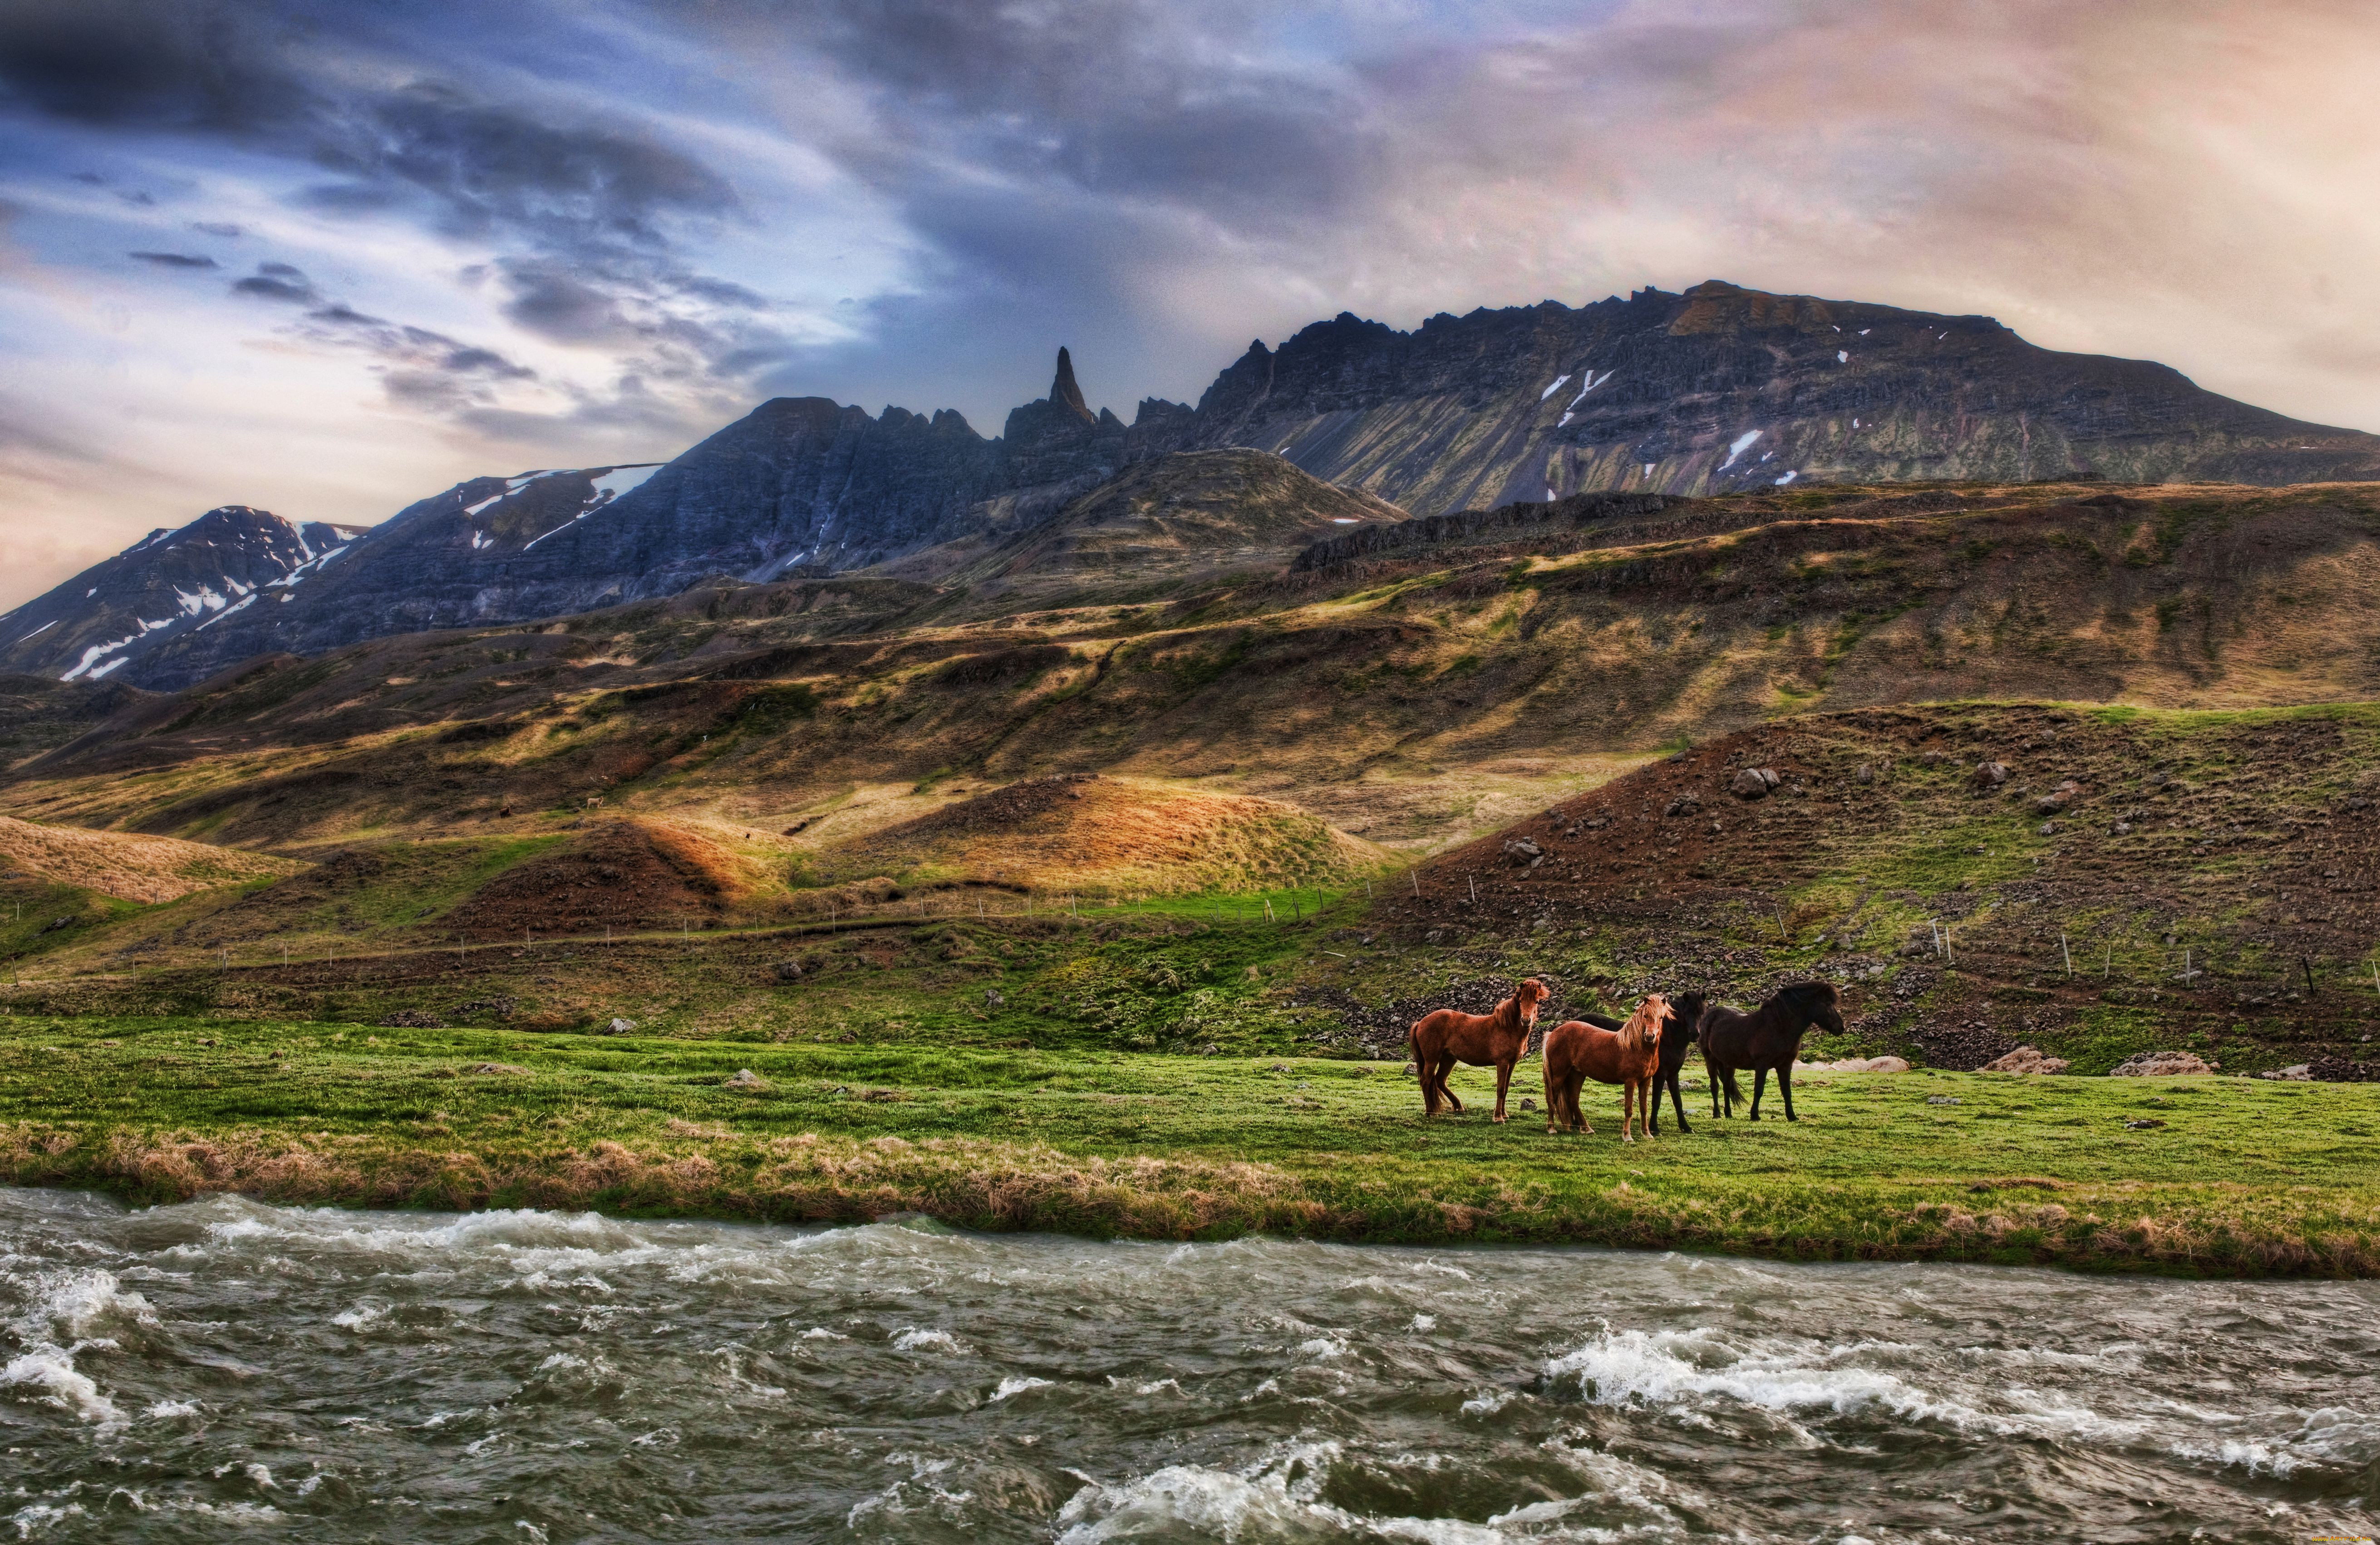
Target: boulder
1685,804
2025,1059
2161,1064
2302,1073
1752,782
788,970
1988,775
1867,772
744,1078
1520,850
620,1027
1855,1064
993,998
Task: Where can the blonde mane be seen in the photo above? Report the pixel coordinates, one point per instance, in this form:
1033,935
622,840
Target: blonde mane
1643,1032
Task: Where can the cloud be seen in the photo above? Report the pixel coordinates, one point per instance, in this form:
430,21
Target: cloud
173,260
278,281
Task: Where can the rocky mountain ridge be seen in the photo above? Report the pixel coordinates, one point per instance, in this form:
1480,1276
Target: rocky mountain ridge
170,586
1716,390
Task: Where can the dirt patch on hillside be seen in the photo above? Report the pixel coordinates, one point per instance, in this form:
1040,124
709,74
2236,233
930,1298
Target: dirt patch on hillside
128,866
1999,873
630,875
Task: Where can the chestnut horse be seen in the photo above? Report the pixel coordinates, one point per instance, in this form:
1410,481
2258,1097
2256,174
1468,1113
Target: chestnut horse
1448,1035
1769,1037
1677,1040
1629,1056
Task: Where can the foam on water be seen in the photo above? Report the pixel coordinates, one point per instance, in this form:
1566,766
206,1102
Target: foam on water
349,1376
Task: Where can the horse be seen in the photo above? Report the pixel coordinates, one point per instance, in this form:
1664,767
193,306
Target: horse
1447,1036
1769,1037
1677,1040
1629,1056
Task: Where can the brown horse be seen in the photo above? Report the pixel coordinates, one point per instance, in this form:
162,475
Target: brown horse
1629,1056
1448,1035
1769,1037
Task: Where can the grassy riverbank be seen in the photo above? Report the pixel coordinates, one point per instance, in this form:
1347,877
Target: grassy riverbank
2242,1177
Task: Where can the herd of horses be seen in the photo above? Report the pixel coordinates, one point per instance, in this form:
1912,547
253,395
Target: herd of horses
1641,1053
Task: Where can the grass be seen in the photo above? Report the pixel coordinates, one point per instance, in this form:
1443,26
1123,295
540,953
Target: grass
2241,1177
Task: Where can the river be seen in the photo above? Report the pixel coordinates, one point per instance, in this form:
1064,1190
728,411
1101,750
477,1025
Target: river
227,1368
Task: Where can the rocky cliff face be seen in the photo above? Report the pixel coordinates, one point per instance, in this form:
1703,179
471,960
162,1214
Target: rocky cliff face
800,484
1717,389
111,619
1722,388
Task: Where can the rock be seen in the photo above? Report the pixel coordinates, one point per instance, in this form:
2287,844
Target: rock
2058,798
2120,828
2162,1065
1856,1064
498,1067
1988,775
620,1027
1410,1071
1278,1068
1211,1051
1528,1104
1685,804
993,998
788,970
2025,1059
1520,850
1752,782
1433,936
2302,1073
1942,1099
746,1079
1867,772
412,1020
2142,1125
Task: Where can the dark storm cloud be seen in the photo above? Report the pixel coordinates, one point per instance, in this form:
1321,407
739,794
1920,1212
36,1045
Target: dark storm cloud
173,260
138,64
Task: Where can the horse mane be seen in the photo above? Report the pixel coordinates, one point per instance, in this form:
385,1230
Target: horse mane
1643,1030
1802,992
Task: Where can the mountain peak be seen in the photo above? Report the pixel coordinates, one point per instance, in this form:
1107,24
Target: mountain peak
1063,391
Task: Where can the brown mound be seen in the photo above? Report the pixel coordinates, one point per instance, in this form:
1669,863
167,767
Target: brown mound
1111,833
130,867
633,874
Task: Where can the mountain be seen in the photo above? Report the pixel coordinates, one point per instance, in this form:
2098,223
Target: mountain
169,586
1182,518
1716,390
1724,388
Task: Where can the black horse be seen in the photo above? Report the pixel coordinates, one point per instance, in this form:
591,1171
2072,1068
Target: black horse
1769,1037
1677,1038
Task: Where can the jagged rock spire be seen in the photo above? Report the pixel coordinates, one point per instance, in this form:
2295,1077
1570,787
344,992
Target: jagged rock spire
1062,391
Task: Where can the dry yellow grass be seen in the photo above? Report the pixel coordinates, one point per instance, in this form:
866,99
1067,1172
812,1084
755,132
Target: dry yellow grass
1111,833
128,866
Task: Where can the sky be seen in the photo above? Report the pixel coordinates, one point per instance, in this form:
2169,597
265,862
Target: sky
327,258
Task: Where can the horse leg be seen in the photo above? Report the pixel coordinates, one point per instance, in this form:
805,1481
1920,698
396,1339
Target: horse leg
1503,1082
1677,1102
1445,1090
1553,1094
1785,1087
1423,1065
1759,1085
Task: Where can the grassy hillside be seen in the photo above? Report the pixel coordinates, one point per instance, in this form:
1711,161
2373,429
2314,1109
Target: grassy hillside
1414,701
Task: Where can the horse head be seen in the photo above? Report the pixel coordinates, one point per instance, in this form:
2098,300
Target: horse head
1817,1004
1687,1014
1527,996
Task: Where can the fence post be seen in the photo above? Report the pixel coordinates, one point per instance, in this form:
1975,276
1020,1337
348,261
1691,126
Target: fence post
2069,952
